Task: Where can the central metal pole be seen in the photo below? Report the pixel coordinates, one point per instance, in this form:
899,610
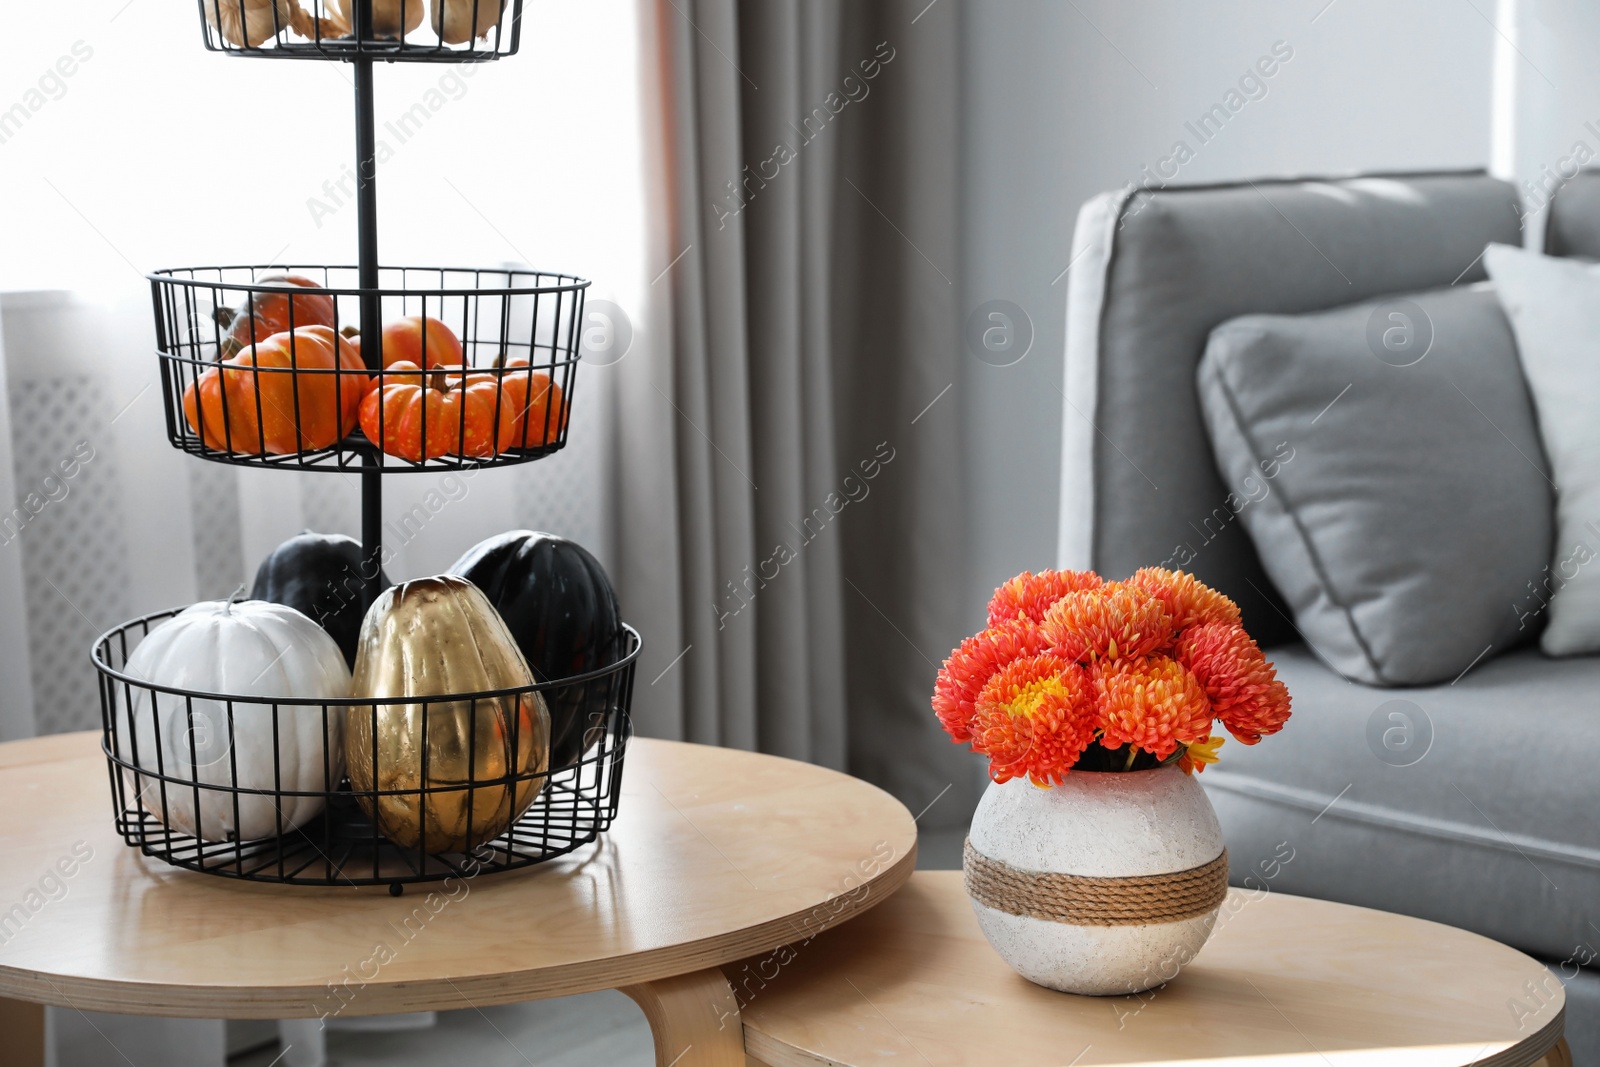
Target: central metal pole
371,303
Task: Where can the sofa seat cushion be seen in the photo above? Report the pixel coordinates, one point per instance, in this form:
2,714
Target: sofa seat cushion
1583,1007
1472,803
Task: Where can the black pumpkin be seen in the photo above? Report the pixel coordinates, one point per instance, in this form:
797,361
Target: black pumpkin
562,611
320,575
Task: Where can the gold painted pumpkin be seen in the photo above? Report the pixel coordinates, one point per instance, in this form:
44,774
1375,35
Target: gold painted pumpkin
438,637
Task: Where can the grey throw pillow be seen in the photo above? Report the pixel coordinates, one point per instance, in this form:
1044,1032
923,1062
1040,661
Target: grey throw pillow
1385,459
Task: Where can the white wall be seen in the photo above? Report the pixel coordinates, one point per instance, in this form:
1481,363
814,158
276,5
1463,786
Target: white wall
1068,99
1551,83
156,153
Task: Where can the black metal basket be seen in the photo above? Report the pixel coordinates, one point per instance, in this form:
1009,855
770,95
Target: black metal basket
211,804
406,31
295,406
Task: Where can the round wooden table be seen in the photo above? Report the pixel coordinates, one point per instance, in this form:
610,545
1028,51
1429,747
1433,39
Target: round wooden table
1284,980
715,855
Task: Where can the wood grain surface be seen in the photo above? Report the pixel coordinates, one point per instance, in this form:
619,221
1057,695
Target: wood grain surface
716,855
1285,980
693,1017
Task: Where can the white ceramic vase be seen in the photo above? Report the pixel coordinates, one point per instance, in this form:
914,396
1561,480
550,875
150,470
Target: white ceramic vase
1098,825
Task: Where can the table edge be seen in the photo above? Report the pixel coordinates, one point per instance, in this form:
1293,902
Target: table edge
1525,1053
177,1000
1528,1051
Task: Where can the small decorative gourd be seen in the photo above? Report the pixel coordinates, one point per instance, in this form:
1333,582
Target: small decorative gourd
302,302
422,340
542,410
446,412
266,655
259,402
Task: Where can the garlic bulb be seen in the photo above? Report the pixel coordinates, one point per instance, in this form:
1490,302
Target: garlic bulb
247,23
390,18
452,19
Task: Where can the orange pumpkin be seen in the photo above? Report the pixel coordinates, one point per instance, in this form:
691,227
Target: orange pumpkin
456,407
222,406
260,315
544,417
404,340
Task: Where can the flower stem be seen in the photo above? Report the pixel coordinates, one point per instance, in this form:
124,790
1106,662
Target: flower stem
1133,752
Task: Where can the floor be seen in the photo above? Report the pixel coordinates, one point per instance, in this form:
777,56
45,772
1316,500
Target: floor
940,850
597,1028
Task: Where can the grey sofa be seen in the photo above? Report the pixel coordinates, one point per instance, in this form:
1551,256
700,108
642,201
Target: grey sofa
1479,824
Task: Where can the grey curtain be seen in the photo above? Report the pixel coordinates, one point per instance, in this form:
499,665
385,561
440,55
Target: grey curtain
791,509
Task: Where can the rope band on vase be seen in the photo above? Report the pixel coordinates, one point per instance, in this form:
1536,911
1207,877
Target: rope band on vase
1085,901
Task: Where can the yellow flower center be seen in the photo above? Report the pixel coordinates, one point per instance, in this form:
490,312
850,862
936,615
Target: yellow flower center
1032,696
1205,751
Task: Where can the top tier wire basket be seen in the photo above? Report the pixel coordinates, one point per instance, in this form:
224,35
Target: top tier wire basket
405,31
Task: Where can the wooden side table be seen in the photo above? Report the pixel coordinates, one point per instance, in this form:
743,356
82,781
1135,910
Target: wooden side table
716,855
1285,980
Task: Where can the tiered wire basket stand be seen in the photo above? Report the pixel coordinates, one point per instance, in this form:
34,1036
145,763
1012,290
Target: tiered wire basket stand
518,328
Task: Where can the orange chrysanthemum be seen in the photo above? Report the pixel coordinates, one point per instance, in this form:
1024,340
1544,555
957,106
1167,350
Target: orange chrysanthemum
1030,595
1034,718
1070,661
1189,601
971,666
1196,756
1114,621
1153,702
1241,685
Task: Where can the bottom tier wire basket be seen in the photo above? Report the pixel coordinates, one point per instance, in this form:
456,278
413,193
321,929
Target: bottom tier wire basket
358,791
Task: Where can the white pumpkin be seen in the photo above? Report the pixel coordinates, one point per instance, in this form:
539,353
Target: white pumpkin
246,649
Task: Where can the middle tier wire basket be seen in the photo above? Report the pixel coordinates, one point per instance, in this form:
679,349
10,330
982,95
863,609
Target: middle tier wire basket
360,791
264,365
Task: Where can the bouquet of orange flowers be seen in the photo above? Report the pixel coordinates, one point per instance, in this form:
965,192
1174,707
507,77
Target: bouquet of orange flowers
1078,672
